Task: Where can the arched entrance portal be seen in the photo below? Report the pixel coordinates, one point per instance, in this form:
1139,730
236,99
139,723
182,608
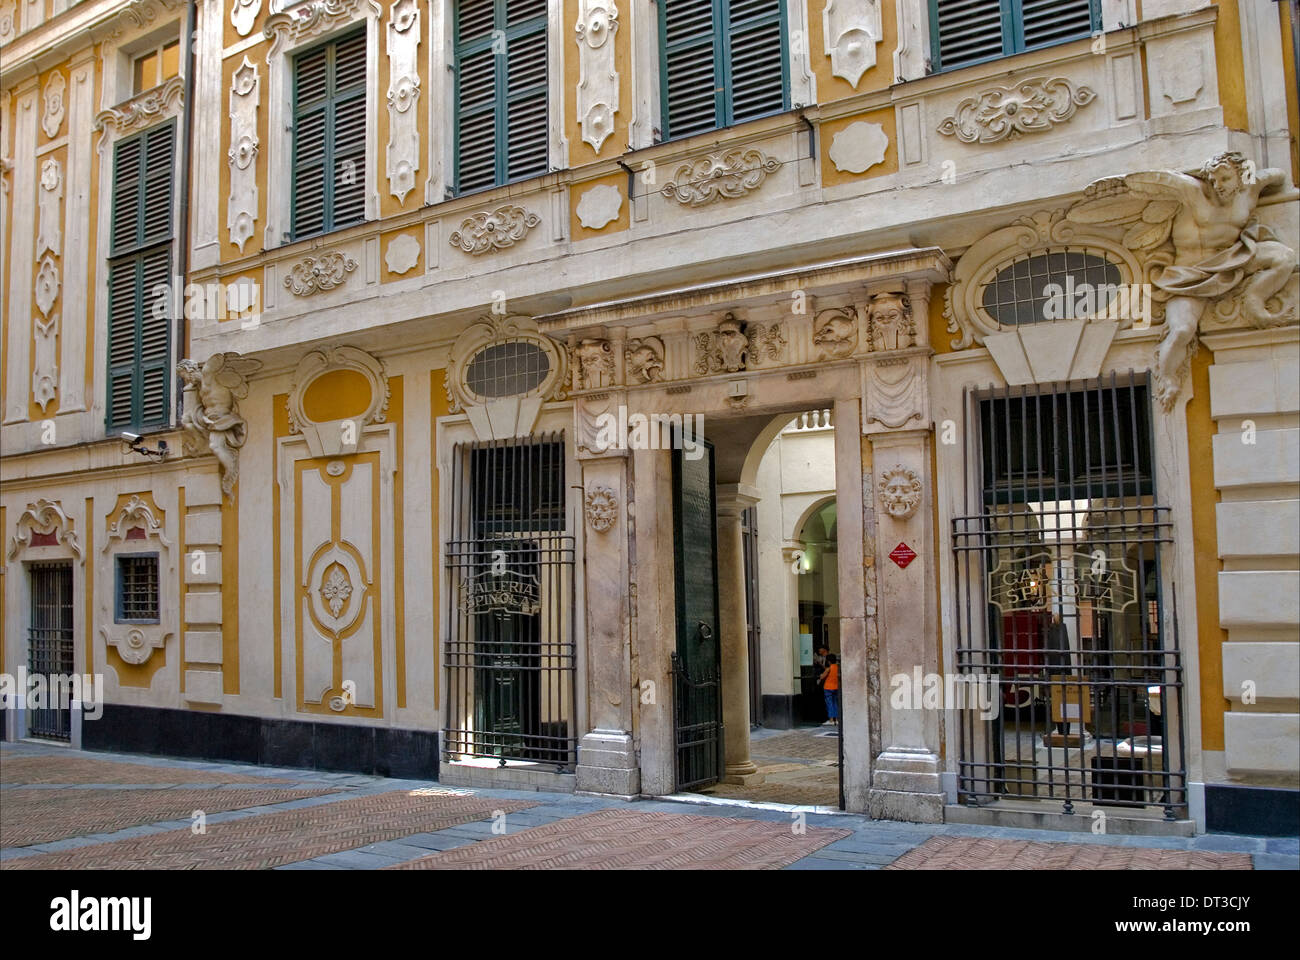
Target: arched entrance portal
783,512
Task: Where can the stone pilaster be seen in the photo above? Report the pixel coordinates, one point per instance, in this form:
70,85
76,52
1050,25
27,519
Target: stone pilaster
607,759
732,501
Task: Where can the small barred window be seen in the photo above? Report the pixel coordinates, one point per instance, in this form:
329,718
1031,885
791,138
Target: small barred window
1023,292
507,369
137,588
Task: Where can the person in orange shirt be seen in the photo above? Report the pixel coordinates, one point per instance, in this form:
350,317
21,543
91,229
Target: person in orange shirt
830,680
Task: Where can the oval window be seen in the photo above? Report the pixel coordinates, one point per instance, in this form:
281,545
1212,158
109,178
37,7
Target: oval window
507,369
1064,284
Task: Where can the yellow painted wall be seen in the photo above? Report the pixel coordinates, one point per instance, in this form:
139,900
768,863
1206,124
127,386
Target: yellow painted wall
581,152
831,176
1205,545
879,77
1228,59
622,222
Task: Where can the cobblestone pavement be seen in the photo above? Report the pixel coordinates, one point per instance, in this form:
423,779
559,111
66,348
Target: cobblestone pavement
971,853
360,822
29,817
798,767
625,839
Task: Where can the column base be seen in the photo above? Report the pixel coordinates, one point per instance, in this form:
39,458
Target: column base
743,774
607,764
906,785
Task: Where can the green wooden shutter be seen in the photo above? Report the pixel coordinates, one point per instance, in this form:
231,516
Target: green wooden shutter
967,31
1044,22
310,136
329,137
348,203
963,32
721,62
139,333
691,73
756,59
502,131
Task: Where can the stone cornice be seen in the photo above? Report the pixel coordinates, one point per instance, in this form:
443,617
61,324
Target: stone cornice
929,263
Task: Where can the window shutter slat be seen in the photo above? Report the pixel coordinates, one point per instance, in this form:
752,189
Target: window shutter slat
502,130
127,159
1055,21
329,137
968,31
724,62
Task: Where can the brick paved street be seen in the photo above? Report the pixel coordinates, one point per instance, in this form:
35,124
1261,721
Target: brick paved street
63,809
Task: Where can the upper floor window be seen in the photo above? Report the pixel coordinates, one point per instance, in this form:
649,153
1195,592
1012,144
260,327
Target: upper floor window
329,137
152,67
501,86
963,32
721,62
139,324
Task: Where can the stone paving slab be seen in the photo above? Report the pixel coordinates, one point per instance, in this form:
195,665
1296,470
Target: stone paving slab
623,839
29,817
970,853
274,839
50,767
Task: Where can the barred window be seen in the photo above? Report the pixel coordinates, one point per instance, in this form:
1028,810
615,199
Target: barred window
1020,292
137,588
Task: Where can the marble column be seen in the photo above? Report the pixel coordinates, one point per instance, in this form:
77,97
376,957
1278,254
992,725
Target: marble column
733,500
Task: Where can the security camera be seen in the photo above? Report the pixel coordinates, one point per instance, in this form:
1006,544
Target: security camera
130,437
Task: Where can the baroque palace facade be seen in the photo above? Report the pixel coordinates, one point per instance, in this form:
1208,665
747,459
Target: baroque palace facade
333,328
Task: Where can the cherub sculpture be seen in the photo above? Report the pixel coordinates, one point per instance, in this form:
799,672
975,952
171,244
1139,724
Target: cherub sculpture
211,409
1219,248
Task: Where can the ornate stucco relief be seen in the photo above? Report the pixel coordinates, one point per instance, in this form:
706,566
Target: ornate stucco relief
1207,247
645,360
337,437
496,229
601,507
402,254
891,324
594,361
734,346
403,153
44,518
49,234
900,491
241,207
835,333
137,512
135,114
894,394
211,409
598,71
851,29
243,14
859,147
308,20
55,107
314,274
45,369
8,20
1004,113
724,176
599,206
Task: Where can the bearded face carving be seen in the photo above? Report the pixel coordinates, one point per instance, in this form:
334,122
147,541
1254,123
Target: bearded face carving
900,492
890,325
595,363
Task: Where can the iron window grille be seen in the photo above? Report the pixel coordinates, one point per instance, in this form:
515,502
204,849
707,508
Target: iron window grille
137,588
1060,610
510,654
49,644
1017,293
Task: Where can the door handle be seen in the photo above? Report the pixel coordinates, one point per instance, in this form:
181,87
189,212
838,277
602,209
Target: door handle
705,631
